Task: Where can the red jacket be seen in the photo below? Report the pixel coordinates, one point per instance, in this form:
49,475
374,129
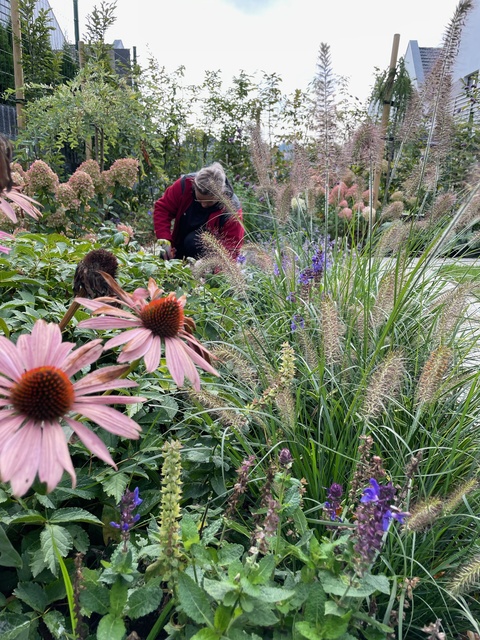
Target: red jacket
176,200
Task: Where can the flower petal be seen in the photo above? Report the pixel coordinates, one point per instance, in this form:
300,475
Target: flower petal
55,457
82,357
91,441
20,456
109,419
152,356
124,337
11,364
43,343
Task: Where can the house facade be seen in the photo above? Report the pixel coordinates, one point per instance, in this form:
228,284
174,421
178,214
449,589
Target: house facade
466,89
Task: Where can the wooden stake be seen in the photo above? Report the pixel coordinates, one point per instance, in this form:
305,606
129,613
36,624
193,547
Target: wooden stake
17,62
385,115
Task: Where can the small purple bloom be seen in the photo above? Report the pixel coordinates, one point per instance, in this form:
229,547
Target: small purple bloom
297,321
128,503
276,270
372,493
285,458
291,297
332,504
241,259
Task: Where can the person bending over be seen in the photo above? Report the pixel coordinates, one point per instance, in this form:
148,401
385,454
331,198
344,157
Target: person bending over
197,202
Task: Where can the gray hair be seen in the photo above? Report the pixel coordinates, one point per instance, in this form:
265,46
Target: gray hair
211,179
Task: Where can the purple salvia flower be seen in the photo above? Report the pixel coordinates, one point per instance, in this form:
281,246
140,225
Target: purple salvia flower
374,514
241,259
332,504
297,321
291,297
285,458
128,503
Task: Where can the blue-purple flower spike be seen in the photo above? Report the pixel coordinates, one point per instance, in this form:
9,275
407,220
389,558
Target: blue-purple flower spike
128,503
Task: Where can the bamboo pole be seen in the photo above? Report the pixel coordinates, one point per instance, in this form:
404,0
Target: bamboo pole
17,62
387,100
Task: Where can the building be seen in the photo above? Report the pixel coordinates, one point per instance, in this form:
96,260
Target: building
465,90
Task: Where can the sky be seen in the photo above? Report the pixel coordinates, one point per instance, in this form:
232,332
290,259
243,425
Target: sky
270,36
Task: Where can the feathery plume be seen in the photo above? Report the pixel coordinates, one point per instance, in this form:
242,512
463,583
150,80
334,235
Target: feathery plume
214,249
466,578
424,514
227,416
385,300
392,239
333,328
237,364
383,386
432,374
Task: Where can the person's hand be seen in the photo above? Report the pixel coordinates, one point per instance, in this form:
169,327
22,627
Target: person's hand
165,250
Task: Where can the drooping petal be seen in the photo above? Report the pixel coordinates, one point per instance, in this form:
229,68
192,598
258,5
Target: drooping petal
82,357
109,400
201,362
109,419
55,457
7,209
19,458
139,344
106,322
11,364
124,337
104,379
91,441
9,424
179,364
152,356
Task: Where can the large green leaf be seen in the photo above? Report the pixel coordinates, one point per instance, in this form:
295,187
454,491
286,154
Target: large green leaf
32,594
73,514
55,539
194,601
8,556
143,600
111,628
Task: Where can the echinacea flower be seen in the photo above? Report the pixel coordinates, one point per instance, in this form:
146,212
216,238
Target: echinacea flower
37,396
4,234
148,324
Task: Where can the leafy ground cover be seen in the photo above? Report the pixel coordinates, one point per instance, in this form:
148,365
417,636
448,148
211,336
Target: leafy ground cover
324,485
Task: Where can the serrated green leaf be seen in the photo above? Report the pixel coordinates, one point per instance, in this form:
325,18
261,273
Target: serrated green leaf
264,571
55,539
275,594
29,517
308,630
55,623
73,514
223,617
218,588
95,598
262,615
194,601
229,553
315,605
111,628
8,556
341,585
80,538
32,594
143,600
335,626
189,531
115,485
206,634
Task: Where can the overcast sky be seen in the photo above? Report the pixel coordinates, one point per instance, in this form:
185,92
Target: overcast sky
281,36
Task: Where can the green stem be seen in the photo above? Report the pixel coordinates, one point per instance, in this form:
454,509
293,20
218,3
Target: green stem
160,623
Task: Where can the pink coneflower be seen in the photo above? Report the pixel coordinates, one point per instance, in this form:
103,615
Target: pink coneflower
4,234
36,395
148,324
